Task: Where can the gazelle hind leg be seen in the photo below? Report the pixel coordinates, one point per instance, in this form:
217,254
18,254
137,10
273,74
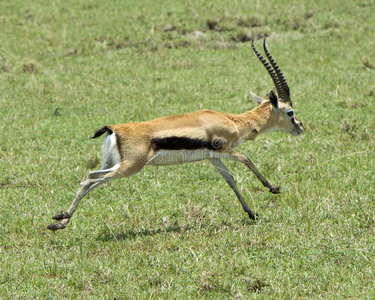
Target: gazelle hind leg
94,179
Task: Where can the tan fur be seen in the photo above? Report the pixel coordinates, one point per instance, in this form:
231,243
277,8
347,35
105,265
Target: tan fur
205,125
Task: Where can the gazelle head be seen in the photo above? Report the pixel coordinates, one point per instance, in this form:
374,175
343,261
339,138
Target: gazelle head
283,112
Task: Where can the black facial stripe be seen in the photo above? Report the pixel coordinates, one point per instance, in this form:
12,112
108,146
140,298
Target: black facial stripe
185,143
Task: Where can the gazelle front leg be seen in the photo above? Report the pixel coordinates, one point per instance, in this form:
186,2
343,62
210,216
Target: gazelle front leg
229,179
236,156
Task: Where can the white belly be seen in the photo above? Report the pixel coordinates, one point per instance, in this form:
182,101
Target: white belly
171,157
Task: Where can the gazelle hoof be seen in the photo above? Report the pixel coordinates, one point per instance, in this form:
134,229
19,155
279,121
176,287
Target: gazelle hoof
275,190
57,226
61,216
253,216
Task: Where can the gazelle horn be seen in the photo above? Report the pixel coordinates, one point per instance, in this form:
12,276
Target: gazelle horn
280,76
270,70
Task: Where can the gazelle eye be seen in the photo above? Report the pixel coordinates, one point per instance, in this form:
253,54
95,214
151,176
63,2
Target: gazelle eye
290,113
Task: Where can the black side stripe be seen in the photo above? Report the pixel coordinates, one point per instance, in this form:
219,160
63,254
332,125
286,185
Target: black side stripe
180,143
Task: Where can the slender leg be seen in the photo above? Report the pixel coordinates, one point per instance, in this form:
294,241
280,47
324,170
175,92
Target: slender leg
236,156
229,179
93,180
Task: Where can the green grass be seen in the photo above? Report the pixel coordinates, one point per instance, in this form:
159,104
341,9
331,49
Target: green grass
68,68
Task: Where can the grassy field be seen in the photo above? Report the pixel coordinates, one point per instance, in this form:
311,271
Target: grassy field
69,67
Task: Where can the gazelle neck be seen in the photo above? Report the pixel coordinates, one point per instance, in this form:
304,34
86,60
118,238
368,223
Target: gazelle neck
257,121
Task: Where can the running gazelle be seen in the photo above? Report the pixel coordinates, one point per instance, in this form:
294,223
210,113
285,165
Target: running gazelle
195,136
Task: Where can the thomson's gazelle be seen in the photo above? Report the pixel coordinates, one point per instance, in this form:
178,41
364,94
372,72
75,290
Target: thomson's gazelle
199,135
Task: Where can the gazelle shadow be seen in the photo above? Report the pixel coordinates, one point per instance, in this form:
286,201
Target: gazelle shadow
133,234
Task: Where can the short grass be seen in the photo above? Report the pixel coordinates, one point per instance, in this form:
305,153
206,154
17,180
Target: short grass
69,67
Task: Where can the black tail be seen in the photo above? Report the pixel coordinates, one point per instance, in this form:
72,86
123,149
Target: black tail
100,132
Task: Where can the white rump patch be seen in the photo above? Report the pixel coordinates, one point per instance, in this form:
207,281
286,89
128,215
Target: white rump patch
111,156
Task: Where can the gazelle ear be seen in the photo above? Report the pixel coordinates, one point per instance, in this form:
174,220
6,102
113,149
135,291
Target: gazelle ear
273,99
256,98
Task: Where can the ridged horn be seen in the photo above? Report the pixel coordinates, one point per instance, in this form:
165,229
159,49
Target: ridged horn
270,70
280,75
